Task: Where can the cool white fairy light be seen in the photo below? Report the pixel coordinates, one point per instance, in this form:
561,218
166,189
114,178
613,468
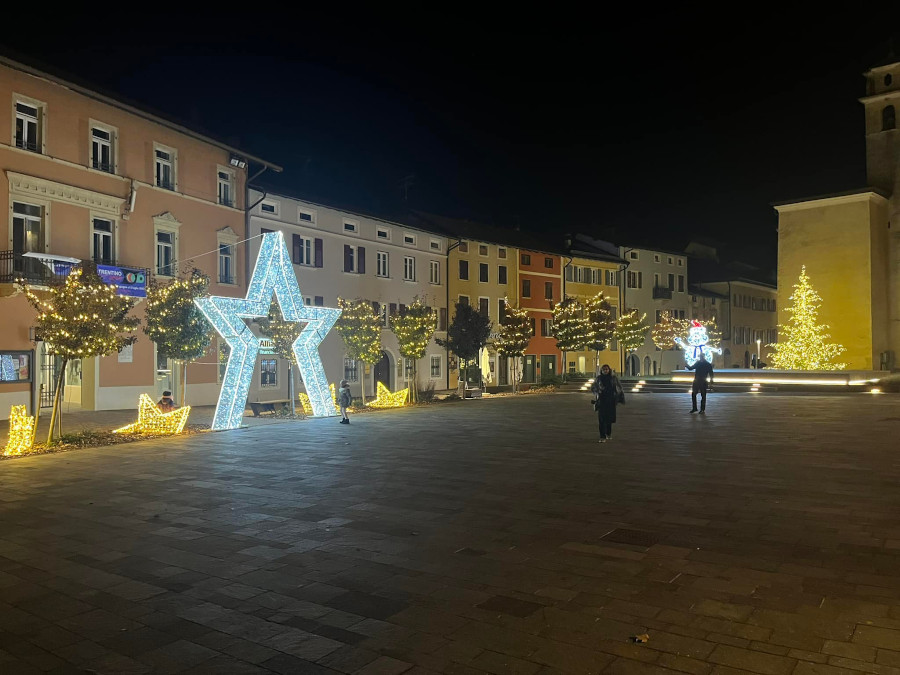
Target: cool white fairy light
274,273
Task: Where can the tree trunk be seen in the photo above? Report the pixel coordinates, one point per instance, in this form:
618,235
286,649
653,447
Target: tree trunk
415,382
55,410
184,365
291,388
362,389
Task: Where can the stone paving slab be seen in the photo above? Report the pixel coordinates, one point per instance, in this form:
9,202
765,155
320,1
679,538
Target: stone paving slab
492,536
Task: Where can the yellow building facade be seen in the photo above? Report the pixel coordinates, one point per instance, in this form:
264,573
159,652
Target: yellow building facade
584,278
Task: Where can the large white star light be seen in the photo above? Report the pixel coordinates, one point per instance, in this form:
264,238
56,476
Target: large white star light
274,273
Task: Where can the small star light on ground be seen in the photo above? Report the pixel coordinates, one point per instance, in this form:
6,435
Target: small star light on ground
152,421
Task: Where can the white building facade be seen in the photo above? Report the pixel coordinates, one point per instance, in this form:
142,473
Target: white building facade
342,254
655,282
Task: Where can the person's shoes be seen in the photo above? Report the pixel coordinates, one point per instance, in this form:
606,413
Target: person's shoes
702,412
345,421
693,410
602,440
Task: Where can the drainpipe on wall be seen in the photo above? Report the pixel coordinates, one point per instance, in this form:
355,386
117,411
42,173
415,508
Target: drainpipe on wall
447,292
622,286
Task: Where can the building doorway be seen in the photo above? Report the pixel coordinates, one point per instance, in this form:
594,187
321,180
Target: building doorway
502,370
746,359
548,367
382,371
634,366
646,365
528,369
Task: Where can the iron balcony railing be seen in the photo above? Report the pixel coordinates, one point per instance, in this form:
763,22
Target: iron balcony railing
225,279
165,184
226,201
102,166
16,267
663,292
25,144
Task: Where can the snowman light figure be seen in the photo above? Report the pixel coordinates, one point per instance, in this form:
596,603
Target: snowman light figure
697,343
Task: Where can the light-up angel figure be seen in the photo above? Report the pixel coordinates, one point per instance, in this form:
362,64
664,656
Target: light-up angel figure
697,343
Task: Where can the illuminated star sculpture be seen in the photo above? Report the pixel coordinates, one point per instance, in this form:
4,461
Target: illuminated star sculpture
274,273
152,421
21,432
385,398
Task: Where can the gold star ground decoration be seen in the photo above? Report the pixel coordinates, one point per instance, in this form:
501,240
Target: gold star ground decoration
152,421
21,432
385,398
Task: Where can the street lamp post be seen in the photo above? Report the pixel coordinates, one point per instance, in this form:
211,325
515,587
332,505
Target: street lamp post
758,341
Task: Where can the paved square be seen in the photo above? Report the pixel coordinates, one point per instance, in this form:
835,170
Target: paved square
492,536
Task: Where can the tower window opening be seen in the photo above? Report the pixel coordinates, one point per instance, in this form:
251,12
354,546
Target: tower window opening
887,80
888,118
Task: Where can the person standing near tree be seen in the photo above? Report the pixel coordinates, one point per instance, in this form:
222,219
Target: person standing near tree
703,377
607,393
345,399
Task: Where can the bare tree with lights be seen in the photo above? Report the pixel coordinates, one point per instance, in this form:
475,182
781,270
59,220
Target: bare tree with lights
283,334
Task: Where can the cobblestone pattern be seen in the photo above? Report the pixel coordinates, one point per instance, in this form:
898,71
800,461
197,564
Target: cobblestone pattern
468,538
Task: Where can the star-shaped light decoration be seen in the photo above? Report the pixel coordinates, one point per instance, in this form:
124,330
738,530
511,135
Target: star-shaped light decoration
307,407
385,398
274,273
152,421
21,432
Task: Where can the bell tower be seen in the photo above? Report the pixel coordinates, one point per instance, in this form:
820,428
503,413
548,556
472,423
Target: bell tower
882,109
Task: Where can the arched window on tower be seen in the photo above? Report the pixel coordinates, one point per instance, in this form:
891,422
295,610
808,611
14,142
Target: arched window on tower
888,119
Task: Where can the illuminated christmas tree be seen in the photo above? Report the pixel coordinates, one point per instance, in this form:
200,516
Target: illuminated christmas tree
665,332
80,318
514,336
803,343
174,322
601,327
360,329
631,330
414,326
283,334
569,325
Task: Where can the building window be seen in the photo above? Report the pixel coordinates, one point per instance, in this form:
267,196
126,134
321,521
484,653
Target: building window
351,370
409,268
435,244
526,288
381,264
225,181
501,310
670,260
633,255
464,300
548,263
354,259
269,207
671,280
464,269
501,274
28,234
434,272
548,290
351,226
501,252
102,149
681,262
546,328
409,240
611,279
656,259
463,247
165,254
482,249
435,366
165,167
888,118
308,217
226,264
526,259
483,273
382,233
28,126
303,250
102,239
531,321
268,373
635,280
484,307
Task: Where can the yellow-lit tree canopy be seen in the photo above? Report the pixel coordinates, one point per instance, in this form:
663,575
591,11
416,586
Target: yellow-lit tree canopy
360,328
514,336
569,325
414,326
283,334
600,324
803,342
665,332
631,330
80,318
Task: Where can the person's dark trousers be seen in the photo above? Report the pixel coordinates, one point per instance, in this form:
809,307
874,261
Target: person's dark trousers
605,427
699,388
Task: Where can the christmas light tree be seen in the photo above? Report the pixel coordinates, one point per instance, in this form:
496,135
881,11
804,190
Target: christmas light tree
665,332
414,326
80,318
631,330
174,322
569,325
514,336
803,343
283,334
600,325
360,329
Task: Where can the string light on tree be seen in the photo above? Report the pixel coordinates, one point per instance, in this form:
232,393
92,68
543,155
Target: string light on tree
21,432
631,330
152,421
273,274
665,332
600,325
514,336
283,334
414,326
803,343
360,329
569,325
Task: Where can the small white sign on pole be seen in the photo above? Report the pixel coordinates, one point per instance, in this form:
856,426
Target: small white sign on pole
127,354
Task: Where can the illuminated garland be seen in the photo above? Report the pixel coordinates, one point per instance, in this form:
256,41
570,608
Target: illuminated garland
514,333
803,343
667,330
570,328
360,329
152,421
173,322
631,330
273,274
21,432
282,333
414,327
388,399
600,324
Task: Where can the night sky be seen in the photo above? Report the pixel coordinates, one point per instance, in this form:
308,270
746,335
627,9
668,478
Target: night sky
638,131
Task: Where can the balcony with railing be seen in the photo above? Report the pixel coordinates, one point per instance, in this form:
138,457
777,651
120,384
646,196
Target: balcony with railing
106,167
27,144
226,279
165,184
226,201
16,267
662,293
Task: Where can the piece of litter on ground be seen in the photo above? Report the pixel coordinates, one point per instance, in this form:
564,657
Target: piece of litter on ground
643,637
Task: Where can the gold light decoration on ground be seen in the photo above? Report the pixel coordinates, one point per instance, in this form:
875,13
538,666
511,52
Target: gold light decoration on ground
307,406
21,432
387,399
152,421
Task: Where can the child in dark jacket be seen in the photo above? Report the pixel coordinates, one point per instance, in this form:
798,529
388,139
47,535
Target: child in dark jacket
345,399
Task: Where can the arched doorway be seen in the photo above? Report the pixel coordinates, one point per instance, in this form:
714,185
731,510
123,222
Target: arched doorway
746,359
655,368
383,371
634,365
646,365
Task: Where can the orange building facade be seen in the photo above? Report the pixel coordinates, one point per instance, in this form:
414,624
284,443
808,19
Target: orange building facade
89,178
540,289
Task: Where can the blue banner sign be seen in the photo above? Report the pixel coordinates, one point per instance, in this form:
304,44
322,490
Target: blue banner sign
130,282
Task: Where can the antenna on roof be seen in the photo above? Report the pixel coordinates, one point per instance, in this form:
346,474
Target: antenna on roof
405,183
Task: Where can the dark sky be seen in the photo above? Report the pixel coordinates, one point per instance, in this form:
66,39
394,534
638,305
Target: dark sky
657,129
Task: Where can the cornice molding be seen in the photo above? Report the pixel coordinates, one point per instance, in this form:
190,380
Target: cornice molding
30,186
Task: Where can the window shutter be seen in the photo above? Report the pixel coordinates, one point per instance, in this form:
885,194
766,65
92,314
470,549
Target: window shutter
319,301
296,248
361,263
376,308
393,308
347,255
318,253
402,308
442,321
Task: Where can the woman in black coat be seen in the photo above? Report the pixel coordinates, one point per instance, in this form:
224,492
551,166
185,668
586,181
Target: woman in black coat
607,393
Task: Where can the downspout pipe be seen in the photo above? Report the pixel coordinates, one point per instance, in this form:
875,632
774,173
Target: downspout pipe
447,293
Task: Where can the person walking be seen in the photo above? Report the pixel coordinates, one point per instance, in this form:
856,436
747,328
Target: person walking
607,393
345,398
703,377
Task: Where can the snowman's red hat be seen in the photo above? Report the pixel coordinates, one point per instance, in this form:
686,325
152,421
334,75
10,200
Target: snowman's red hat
696,324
